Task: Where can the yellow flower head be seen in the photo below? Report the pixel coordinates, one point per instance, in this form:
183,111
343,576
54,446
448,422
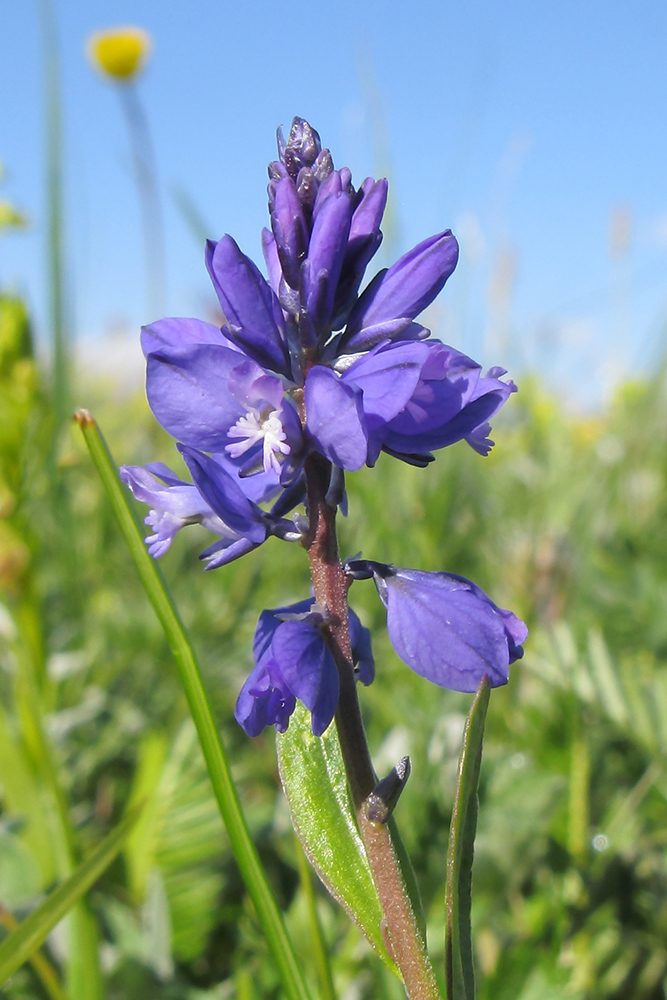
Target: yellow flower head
120,53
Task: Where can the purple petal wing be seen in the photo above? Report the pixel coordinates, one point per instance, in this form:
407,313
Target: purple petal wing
387,376
269,622
188,391
224,496
461,425
404,290
250,306
368,213
306,664
334,418
272,260
363,242
321,269
181,333
289,228
447,630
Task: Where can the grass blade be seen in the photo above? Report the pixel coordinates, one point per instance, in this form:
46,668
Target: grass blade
43,968
24,941
322,958
53,121
209,737
459,974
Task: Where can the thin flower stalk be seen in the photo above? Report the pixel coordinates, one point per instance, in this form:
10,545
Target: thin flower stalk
330,586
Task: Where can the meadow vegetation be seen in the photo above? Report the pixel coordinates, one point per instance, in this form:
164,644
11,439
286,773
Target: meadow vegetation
565,522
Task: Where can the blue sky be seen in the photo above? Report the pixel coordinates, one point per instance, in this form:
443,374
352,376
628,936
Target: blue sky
525,127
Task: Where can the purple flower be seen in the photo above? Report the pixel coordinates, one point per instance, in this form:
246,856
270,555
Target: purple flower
452,402
444,627
174,504
254,319
343,411
247,524
396,296
293,660
214,398
218,500
303,362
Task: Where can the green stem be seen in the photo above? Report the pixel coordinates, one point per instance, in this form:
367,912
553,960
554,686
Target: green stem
145,173
54,229
202,714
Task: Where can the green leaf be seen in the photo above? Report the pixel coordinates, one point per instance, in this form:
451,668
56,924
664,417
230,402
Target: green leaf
213,749
459,973
313,778
20,945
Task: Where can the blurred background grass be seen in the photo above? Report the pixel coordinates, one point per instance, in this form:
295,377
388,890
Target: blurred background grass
564,523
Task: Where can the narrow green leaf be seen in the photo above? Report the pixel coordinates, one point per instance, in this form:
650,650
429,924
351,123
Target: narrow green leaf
322,957
459,973
313,778
24,941
213,749
606,678
43,968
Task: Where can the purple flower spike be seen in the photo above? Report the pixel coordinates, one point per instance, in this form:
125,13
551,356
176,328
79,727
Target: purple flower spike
293,660
303,363
445,627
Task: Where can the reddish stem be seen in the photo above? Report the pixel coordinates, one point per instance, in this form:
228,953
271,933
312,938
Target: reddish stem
330,586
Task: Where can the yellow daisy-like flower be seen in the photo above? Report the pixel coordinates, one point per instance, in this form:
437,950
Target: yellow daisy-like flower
120,53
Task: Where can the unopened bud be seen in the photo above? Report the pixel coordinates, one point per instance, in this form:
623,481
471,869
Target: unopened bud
382,801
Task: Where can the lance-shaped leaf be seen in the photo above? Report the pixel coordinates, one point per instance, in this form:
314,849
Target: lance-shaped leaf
24,941
459,973
313,778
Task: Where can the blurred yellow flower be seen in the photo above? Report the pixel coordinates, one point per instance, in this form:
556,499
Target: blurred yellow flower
120,53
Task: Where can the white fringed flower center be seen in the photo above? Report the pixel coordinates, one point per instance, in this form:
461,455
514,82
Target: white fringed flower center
259,426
